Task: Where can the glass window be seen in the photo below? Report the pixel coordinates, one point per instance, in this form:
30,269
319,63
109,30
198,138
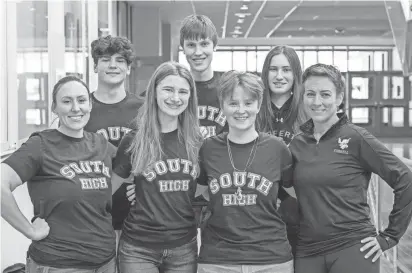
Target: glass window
182,59
309,58
340,59
396,61
251,61
380,60
239,60
397,116
325,57
261,55
360,60
74,58
300,55
222,61
360,115
32,66
103,18
360,88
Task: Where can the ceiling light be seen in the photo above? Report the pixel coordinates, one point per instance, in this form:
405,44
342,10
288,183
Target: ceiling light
32,9
290,36
244,7
301,28
315,17
237,32
246,1
339,30
272,17
240,20
242,15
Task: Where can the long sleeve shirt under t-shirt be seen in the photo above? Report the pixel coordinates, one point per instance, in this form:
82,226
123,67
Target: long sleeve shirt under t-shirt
331,179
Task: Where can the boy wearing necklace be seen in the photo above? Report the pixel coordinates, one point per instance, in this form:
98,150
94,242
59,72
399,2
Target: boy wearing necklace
243,170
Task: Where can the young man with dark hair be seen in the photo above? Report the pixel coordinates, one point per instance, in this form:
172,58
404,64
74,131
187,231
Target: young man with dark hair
114,107
198,38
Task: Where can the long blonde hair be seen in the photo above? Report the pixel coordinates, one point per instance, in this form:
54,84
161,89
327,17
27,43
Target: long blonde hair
146,147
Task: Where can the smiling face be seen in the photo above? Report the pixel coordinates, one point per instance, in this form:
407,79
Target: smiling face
172,96
280,75
112,70
241,109
73,108
199,54
321,100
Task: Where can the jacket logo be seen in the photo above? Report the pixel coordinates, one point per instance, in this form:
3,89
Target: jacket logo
343,143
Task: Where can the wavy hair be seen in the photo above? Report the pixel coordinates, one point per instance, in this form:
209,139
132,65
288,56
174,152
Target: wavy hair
296,114
146,147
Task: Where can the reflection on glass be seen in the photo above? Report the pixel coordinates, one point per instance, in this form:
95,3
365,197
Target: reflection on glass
385,116
397,149
340,59
251,61
239,60
360,88
360,115
222,61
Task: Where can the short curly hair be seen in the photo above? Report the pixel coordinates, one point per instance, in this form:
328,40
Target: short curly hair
111,45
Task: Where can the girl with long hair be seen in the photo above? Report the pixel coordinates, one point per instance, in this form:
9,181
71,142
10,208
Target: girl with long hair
159,234
281,114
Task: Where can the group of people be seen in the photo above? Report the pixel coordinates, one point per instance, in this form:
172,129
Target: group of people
228,143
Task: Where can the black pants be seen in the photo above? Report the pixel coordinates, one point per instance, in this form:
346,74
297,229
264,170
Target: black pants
348,260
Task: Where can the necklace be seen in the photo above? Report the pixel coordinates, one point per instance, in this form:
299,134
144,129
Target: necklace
250,158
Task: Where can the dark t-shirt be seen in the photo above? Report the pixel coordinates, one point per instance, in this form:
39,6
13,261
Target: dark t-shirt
162,216
211,118
113,121
69,183
245,226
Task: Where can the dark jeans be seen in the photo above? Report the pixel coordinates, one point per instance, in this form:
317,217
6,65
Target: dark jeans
133,259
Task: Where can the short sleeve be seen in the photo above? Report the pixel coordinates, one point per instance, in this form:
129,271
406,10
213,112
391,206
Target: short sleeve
287,166
122,165
27,160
